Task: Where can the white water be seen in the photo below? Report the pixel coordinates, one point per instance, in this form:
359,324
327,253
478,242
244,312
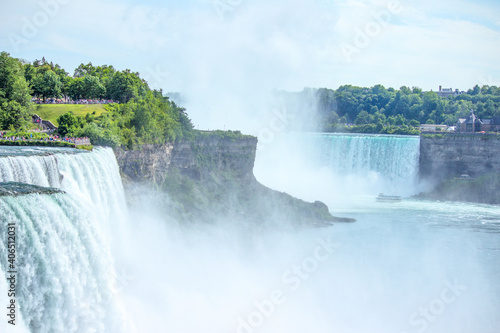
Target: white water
334,168
393,262
66,272
36,170
393,157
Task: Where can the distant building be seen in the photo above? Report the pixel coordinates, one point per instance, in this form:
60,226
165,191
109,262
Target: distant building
460,127
486,125
491,125
445,92
473,124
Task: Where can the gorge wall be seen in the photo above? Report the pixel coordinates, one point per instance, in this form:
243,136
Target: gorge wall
444,158
452,155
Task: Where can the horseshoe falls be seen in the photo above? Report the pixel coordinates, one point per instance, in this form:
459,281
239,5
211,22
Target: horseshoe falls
65,269
339,166
394,158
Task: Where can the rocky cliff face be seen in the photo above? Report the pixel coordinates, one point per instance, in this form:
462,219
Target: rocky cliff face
453,155
212,178
153,163
443,159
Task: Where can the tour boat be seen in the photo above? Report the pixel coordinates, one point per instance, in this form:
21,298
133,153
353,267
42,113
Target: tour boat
388,198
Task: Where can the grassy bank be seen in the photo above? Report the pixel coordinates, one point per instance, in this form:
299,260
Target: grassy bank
53,111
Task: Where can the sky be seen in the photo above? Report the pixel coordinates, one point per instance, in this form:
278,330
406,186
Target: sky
228,54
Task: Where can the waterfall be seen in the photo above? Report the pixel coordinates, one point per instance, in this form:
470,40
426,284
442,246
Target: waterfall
375,163
65,269
393,157
336,167
36,170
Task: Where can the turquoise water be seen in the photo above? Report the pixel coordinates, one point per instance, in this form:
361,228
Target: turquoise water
89,264
393,267
393,157
65,268
386,272
34,151
331,167
412,250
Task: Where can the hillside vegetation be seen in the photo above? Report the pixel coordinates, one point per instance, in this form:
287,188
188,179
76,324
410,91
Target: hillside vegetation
140,115
53,111
137,114
384,110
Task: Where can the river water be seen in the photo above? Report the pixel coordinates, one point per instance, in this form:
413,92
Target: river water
393,268
89,264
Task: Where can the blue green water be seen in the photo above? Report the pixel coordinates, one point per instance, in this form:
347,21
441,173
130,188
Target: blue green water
88,263
393,268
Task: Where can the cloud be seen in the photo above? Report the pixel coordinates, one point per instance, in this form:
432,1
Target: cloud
227,66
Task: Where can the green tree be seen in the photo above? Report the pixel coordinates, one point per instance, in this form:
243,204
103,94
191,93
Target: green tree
332,118
405,90
475,91
36,84
13,85
414,123
69,124
84,70
430,103
400,120
124,86
363,118
15,105
76,89
52,86
104,73
93,88
14,116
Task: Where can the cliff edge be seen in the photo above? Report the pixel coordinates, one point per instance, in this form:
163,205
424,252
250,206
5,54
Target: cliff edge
211,177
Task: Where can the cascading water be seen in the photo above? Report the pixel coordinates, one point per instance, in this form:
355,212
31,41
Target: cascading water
65,270
36,170
393,157
93,177
334,167
409,267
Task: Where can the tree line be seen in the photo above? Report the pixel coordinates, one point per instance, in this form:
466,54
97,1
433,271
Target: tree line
142,115
146,116
387,110
88,82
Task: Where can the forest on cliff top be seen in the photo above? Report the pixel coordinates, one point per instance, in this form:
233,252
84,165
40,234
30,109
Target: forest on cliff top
136,114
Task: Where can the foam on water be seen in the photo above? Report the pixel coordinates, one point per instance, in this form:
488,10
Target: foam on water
65,268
